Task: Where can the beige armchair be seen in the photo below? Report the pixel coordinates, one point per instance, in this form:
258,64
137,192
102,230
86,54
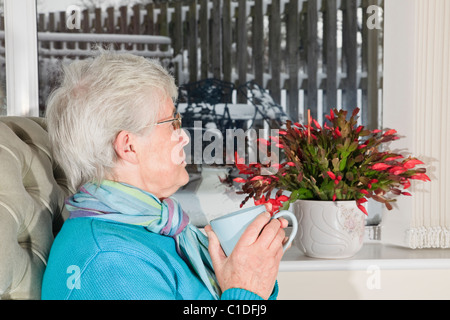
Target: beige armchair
32,193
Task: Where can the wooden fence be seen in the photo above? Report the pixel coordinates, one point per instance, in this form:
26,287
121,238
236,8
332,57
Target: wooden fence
319,53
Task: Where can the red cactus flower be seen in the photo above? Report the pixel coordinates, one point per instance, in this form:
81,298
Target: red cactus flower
397,170
316,124
380,166
361,207
361,200
282,198
240,164
275,139
262,200
331,116
276,203
276,165
331,175
412,163
369,185
390,132
420,176
406,184
362,146
393,158
337,132
263,141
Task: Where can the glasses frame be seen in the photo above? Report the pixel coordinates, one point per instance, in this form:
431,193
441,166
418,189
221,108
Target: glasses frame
177,120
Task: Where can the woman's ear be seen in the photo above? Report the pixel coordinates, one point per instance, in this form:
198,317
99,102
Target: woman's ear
125,147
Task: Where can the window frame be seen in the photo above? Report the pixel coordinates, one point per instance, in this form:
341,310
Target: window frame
21,58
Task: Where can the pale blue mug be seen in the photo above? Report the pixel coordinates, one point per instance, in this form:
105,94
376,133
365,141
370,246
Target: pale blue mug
229,228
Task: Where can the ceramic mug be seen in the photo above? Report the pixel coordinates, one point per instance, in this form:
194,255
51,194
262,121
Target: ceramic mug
229,228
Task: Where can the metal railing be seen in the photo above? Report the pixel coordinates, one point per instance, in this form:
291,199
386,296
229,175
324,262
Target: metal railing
54,44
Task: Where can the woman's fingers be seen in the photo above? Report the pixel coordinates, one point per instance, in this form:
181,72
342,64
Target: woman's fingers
268,206
263,230
284,222
253,231
214,248
269,233
278,240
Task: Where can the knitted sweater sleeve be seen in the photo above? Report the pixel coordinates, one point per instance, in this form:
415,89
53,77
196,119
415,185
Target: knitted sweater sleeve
242,294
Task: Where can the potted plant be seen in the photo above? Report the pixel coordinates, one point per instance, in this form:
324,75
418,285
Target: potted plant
328,172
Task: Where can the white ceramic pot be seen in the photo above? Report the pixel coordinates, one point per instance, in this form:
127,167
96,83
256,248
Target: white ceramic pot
329,229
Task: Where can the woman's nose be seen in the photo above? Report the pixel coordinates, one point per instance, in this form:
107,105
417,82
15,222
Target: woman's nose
184,138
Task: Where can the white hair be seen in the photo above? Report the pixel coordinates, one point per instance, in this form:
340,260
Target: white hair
97,99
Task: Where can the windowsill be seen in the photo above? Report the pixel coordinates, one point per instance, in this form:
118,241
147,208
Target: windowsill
375,253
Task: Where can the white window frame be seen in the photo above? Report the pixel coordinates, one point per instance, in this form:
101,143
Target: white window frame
21,56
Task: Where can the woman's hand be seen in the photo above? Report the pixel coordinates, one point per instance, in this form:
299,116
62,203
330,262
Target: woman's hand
253,264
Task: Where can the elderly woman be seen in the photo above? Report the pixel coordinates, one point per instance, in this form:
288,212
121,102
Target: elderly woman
117,135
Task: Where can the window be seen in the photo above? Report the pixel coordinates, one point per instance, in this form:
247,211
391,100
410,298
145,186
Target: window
310,55
303,54
70,30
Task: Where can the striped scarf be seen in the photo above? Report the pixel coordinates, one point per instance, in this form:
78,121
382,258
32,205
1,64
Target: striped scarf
127,204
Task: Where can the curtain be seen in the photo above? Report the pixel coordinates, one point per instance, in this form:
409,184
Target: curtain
430,220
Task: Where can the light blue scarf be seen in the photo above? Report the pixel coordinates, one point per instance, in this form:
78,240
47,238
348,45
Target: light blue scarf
127,204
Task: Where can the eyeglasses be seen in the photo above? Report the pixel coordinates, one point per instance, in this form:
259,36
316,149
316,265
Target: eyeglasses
176,122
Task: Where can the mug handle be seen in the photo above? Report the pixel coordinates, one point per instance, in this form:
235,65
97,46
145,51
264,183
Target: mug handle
293,219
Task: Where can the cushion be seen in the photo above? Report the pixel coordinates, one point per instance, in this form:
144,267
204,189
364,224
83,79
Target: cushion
32,193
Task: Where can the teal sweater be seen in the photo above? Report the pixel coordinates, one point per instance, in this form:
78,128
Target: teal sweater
97,259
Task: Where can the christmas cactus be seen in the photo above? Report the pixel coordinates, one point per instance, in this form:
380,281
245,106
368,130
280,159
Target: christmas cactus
339,160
